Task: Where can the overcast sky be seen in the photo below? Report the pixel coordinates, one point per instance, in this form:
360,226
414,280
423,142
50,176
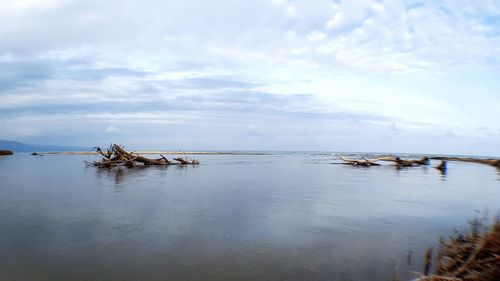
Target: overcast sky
383,76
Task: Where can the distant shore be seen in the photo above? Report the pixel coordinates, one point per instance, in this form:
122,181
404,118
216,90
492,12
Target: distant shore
158,152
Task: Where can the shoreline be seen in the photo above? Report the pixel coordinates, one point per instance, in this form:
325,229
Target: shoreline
157,152
465,158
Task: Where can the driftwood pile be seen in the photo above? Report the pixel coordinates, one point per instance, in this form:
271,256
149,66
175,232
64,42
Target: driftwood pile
398,162
116,155
467,257
363,162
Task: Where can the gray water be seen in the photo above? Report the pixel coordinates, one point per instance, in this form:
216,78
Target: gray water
234,217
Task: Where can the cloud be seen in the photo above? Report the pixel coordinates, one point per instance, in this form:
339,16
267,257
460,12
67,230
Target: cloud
272,71
112,129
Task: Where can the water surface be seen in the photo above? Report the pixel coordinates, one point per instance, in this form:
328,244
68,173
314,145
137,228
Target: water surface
235,217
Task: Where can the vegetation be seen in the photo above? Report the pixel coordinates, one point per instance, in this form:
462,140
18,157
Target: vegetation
474,256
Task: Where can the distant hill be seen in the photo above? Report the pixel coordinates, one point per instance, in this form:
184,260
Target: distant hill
22,147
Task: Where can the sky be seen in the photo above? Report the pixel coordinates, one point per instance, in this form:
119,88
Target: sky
309,75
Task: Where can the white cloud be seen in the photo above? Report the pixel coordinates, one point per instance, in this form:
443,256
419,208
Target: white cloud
112,129
362,57
364,35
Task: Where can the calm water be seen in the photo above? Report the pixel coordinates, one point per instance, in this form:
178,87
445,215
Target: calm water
275,217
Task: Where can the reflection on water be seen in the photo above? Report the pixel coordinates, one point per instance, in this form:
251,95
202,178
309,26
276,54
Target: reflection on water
275,217
119,174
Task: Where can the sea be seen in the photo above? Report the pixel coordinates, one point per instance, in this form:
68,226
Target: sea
281,216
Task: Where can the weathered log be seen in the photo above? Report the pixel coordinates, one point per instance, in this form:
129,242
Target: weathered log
363,162
406,162
166,160
130,157
116,155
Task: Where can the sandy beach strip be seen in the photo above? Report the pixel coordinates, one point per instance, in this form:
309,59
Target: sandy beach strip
158,152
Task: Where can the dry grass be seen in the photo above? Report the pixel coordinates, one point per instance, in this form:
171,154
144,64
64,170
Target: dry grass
468,257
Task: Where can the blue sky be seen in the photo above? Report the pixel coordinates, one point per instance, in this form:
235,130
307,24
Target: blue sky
386,76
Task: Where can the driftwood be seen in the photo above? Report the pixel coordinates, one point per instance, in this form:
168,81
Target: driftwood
407,162
116,155
398,161
491,162
363,162
474,256
422,161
